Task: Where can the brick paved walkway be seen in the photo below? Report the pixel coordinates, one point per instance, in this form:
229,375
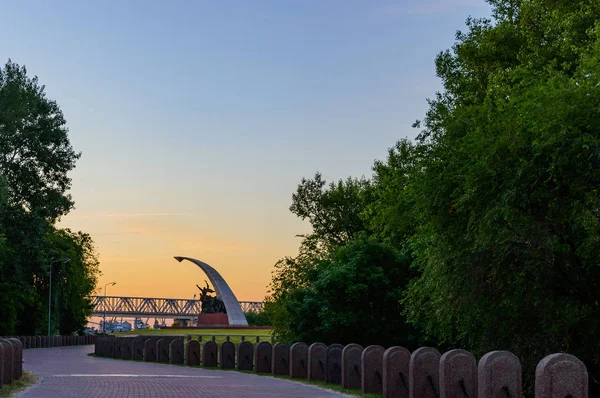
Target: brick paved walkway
69,372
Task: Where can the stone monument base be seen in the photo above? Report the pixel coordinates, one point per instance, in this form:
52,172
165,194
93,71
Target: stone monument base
213,319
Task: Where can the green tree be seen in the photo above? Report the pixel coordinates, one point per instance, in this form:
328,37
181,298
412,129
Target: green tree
506,190
35,159
35,152
389,213
334,211
75,281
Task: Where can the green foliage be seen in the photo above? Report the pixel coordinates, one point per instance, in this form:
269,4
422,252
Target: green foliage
334,210
495,206
507,187
257,318
35,158
35,153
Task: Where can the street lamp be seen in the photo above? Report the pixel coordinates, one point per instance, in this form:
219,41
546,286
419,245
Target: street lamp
60,260
104,321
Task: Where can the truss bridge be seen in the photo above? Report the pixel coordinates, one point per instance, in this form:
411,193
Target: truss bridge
147,307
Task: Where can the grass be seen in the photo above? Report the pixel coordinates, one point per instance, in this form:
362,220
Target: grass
17,386
235,335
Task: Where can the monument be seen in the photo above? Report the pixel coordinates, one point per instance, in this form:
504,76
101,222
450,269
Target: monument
213,309
224,309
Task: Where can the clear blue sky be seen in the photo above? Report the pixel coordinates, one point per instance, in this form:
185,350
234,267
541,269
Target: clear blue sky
205,115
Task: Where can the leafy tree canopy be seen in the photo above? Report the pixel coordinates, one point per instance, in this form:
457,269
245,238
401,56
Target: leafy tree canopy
35,158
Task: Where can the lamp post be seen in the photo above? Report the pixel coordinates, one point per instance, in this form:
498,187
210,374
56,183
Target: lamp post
104,321
60,260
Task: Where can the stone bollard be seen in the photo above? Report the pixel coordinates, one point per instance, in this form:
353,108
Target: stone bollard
7,361
333,364
561,375
245,356
162,350
499,374
227,355
262,357
280,364
17,357
372,369
396,362
117,348
193,353
138,348
127,347
423,373
150,349
209,354
176,356
351,366
458,374
299,361
316,361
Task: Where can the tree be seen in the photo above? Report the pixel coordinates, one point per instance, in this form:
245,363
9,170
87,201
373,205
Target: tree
75,281
352,296
334,210
389,213
35,152
35,159
506,188
335,215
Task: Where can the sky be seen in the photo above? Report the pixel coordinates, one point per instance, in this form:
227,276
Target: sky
197,120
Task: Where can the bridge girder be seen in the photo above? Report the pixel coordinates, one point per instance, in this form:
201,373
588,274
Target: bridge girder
134,307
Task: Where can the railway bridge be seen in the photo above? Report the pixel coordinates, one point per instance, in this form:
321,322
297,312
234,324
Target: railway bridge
151,307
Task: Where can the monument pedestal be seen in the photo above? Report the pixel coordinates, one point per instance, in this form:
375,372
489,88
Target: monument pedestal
213,319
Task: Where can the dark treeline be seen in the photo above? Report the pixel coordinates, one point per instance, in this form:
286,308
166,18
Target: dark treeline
35,158
484,232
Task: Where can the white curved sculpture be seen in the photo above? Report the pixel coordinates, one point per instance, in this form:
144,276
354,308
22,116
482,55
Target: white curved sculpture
235,315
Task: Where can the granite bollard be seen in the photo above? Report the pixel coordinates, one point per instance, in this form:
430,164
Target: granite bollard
280,364
333,364
193,353
458,374
299,361
395,372
371,369
209,354
127,347
316,361
176,352
7,361
162,350
150,349
499,374
227,355
116,350
138,348
262,357
561,375
424,372
245,356
18,357
351,366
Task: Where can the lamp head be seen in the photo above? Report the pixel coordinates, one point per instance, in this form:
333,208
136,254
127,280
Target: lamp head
180,259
